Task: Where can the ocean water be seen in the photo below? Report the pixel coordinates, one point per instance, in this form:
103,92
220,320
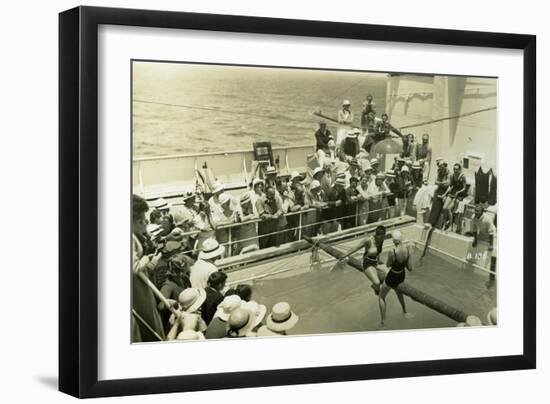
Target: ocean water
187,108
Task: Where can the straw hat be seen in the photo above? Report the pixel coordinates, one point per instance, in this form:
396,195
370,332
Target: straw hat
258,311
281,318
240,321
346,102
244,199
154,230
405,169
315,184
257,181
416,165
317,170
374,161
191,299
295,175
217,187
211,249
188,195
224,198
354,163
227,306
270,170
161,204
340,181
381,176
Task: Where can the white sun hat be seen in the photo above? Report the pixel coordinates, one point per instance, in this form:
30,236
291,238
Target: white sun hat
191,299
217,187
211,248
226,307
281,318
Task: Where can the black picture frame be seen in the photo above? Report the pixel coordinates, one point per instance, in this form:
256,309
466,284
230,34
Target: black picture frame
78,200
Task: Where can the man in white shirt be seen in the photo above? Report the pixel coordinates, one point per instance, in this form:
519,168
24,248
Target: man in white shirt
205,265
345,120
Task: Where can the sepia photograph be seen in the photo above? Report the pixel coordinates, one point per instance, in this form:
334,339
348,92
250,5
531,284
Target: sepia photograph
273,201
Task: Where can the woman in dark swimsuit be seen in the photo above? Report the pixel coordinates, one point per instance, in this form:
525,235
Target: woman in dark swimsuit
398,261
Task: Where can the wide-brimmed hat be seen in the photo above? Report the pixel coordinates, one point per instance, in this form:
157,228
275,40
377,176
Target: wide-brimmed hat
374,161
295,175
381,176
346,102
227,306
340,181
245,198
366,165
281,318
315,184
224,198
191,299
318,170
154,230
270,170
405,169
257,181
161,204
416,165
217,187
258,311
188,195
354,163
240,322
211,249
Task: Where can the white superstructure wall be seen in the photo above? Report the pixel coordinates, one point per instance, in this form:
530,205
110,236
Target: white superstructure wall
412,99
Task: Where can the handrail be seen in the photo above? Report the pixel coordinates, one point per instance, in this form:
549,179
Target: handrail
216,153
298,212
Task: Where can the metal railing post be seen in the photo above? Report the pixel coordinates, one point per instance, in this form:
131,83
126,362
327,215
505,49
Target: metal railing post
300,226
229,242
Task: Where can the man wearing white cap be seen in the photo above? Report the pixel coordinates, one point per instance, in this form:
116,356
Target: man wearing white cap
204,267
402,190
345,120
245,235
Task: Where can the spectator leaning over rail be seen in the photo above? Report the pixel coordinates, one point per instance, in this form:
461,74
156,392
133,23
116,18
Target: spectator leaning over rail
377,192
352,200
402,191
205,265
227,214
273,219
245,235
146,322
316,200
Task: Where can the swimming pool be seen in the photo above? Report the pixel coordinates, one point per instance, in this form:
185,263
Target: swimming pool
343,301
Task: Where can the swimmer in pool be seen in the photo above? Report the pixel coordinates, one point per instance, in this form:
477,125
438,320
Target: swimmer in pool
399,259
372,267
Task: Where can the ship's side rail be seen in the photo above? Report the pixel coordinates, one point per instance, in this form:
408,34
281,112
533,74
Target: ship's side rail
304,226
166,176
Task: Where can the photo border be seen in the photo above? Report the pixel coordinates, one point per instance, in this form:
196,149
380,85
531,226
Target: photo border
78,200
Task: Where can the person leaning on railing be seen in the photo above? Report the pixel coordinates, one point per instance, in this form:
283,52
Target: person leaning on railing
316,200
245,235
272,219
377,192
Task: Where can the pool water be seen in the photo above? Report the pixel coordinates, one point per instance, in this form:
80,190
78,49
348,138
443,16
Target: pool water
343,301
